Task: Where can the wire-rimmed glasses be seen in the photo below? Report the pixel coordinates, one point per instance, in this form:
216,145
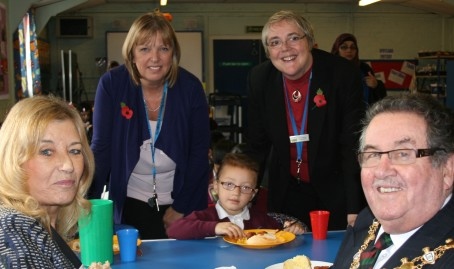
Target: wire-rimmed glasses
292,40
230,187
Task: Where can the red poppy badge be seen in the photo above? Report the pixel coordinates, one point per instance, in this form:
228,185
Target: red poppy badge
319,99
126,111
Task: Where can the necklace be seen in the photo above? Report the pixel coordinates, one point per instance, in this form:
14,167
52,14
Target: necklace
370,237
154,110
428,257
149,107
296,96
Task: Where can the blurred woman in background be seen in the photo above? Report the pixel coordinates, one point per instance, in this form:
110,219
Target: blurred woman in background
346,46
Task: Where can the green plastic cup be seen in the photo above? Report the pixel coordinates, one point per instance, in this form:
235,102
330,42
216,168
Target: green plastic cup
96,233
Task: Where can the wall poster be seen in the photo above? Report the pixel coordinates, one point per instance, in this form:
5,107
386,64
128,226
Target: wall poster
396,74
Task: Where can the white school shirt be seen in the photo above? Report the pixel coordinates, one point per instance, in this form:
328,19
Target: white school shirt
237,219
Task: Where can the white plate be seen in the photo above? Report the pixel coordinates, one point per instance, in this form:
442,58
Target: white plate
313,263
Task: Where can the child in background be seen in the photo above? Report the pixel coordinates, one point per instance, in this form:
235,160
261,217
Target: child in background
112,64
87,117
236,186
219,149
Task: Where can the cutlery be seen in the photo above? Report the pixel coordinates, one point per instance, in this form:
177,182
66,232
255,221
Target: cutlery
286,226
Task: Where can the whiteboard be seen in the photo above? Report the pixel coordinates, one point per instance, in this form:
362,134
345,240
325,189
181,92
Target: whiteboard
191,45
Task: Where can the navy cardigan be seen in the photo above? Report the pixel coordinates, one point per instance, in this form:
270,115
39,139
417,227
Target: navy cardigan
184,137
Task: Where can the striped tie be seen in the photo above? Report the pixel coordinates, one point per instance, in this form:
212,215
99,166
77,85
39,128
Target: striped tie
368,258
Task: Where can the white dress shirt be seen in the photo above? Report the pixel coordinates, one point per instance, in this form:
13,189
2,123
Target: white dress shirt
398,241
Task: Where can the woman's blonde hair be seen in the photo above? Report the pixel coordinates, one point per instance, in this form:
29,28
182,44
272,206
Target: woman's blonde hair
144,28
289,16
20,136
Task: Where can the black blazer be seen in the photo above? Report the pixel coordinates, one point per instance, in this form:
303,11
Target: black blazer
432,234
333,132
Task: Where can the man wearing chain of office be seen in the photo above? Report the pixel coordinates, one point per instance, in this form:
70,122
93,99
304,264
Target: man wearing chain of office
406,154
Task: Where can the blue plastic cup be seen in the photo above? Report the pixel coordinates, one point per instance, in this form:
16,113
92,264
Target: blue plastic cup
127,241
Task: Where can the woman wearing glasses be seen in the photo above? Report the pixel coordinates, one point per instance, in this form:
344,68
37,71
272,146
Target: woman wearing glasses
346,46
236,186
304,108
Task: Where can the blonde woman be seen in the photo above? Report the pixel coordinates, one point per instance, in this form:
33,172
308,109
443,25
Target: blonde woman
47,168
151,132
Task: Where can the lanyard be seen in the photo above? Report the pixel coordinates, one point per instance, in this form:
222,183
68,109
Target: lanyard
158,130
299,144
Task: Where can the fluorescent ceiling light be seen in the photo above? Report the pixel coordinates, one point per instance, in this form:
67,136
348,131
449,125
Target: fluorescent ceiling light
163,2
364,2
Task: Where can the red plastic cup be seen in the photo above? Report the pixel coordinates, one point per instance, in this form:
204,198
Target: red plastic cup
319,223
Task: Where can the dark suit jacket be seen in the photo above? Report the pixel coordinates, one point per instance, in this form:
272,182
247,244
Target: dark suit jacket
432,234
333,167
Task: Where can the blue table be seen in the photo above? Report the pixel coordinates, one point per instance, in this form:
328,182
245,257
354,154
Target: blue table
215,252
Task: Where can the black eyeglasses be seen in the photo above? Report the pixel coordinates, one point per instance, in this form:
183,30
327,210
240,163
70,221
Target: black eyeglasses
230,187
397,156
346,47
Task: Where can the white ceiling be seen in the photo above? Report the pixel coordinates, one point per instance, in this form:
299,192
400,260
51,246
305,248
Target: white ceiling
442,7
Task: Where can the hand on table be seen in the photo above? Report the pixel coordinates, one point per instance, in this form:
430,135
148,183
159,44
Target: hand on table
230,229
295,228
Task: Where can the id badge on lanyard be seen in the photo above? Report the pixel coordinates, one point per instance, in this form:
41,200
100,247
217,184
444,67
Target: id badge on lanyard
299,138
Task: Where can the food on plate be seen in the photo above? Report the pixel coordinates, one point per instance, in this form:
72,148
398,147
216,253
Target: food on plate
98,265
263,238
116,245
298,262
302,262
75,245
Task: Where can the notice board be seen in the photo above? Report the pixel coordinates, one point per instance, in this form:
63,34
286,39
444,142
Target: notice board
396,74
191,44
